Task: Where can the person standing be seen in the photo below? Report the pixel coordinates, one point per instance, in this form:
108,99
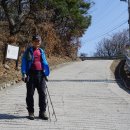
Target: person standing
34,69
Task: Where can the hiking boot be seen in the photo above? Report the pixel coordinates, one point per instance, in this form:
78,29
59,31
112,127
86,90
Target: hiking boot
31,116
43,115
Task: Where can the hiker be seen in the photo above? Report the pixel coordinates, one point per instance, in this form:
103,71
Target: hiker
34,69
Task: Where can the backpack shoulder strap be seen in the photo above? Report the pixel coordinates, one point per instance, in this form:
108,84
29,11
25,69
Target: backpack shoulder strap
28,54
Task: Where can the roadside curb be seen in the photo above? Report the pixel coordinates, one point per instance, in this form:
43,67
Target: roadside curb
7,84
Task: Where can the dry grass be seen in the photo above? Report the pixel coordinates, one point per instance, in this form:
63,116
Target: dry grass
13,74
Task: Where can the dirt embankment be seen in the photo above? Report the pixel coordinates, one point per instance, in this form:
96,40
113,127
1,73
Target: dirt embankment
10,75
121,73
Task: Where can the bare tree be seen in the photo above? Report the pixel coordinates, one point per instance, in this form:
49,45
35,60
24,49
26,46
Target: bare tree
16,12
113,46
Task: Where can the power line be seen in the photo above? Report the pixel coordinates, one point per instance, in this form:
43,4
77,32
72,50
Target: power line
114,19
107,5
109,31
110,6
105,12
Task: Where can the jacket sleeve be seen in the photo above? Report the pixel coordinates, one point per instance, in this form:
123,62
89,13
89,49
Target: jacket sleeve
45,64
24,63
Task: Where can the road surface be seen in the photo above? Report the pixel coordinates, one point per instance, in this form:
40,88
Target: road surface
85,96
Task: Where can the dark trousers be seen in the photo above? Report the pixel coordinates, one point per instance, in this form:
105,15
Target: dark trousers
36,80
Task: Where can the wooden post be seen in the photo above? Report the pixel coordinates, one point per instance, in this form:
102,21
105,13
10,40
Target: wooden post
5,50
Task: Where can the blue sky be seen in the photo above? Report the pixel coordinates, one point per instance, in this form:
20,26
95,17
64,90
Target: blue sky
107,15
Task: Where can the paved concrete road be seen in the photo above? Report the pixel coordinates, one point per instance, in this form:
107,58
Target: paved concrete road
85,97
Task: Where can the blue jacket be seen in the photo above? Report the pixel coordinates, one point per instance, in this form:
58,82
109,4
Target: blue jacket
28,58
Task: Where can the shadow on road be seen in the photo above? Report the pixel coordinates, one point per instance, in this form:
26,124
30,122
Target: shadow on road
120,74
8,116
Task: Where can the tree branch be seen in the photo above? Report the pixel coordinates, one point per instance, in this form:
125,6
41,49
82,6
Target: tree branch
4,4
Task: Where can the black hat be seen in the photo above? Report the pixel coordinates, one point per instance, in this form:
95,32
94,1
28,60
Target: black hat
36,37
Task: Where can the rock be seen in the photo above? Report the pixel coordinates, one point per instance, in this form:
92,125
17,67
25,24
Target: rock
13,82
19,68
1,88
4,85
19,78
6,66
8,84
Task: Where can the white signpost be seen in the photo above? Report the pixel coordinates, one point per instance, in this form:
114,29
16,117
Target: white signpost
12,52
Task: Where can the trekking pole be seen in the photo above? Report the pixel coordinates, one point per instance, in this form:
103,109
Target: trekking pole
48,107
50,99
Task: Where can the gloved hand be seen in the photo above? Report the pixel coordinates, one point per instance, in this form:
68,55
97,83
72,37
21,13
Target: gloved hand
24,78
46,78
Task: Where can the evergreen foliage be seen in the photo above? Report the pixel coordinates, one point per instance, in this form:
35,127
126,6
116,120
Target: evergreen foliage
61,22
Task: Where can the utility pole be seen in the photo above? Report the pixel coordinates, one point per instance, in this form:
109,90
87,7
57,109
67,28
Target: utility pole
128,16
